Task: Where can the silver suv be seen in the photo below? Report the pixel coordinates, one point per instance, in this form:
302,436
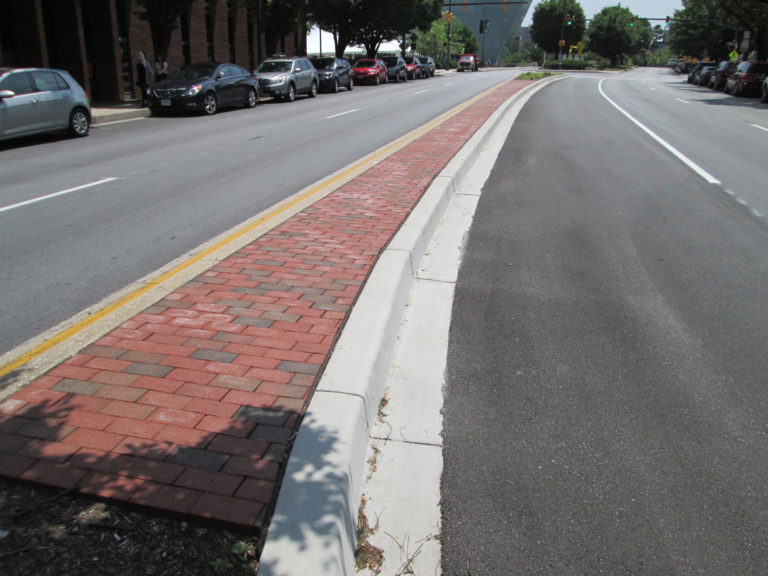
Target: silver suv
285,77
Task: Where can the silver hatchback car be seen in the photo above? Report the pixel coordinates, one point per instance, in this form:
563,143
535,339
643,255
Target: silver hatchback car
39,100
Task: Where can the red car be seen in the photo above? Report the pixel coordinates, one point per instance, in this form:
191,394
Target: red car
370,70
413,66
747,79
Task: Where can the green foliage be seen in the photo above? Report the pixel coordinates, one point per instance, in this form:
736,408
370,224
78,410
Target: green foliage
548,26
371,22
708,28
535,75
612,36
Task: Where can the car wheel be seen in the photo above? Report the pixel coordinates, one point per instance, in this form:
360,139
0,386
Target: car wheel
251,98
335,87
210,105
79,123
764,96
351,84
290,96
312,90
377,81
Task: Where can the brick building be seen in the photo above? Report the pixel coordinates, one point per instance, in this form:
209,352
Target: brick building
97,41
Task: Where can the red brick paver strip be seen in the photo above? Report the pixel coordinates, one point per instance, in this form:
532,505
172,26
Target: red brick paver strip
190,406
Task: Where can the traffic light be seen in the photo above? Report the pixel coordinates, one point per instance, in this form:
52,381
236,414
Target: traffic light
569,19
632,22
485,26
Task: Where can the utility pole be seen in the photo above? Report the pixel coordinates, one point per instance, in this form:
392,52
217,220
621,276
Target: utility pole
450,25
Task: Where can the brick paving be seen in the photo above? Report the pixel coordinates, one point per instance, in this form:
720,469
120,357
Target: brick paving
190,406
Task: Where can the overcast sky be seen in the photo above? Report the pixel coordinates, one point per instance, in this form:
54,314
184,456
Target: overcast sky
643,8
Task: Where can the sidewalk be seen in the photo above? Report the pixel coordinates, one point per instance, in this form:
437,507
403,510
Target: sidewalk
103,112
191,406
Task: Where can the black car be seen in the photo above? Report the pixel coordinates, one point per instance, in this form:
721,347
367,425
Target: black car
204,88
333,73
721,73
428,65
396,69
693,73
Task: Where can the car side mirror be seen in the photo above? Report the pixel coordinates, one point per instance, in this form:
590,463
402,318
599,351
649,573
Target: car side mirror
7,94
220,75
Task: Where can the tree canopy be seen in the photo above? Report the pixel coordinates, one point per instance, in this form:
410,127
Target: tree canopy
549,24
371,22
711,28
616,32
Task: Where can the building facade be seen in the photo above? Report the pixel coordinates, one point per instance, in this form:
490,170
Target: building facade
98,41
500,19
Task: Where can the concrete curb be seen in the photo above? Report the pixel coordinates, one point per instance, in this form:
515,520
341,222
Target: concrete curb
313,527
104,115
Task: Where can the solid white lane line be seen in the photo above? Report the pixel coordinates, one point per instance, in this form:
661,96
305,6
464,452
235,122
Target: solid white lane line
683,101
53,195
342,113
420,92
759,127
674,151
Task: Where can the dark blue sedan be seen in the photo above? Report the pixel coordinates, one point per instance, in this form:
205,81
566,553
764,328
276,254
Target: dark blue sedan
204,88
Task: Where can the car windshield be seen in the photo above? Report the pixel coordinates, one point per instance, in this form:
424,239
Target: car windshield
275,66
193,73
391,61
411,60
324,63
759,68
424,60
365,64
465,58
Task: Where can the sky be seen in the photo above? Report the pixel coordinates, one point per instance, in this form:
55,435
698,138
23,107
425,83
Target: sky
643,8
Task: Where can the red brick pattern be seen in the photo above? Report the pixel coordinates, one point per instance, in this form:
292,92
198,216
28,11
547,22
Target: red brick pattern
190,406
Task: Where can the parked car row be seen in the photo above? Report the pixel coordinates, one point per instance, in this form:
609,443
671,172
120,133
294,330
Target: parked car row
393,68
41,100
747,78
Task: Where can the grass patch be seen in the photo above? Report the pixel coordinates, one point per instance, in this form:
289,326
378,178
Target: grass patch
536,75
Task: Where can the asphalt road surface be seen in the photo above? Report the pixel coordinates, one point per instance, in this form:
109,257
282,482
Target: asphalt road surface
116,206
606,404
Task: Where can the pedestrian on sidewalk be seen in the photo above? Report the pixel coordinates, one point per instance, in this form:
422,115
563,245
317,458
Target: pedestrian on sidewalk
143,76
161,68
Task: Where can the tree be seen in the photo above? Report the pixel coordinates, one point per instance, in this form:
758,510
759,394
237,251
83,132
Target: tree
549,24
280,17
380,20
339,17
615,32
163,17
709,28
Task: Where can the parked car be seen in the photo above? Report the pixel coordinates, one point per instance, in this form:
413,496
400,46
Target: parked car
285,77
370,70
747,79
469,62
413,66
721,73
683,67
205,88
396,69
428,64
333,73
693,73
39,100
701,78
